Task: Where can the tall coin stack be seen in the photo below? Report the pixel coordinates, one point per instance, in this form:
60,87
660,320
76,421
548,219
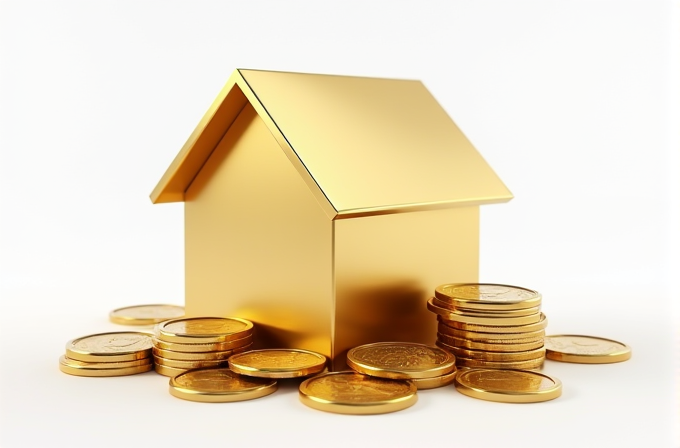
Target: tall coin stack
490,326
189,343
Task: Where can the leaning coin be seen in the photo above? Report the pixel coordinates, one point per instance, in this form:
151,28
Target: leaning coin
508,386
278,363
585,349
450,315
145,314
353,393
540,325
488,296
400,360
219,385
82,369
203,330
108,347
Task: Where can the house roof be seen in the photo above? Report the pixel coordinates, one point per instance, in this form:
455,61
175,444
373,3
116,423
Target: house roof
364,146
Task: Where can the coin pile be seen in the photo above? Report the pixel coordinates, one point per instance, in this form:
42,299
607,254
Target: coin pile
189,343
490,326
108,354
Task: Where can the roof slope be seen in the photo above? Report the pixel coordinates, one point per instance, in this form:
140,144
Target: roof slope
364,146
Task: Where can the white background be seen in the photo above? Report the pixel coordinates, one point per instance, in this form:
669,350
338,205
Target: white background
575,104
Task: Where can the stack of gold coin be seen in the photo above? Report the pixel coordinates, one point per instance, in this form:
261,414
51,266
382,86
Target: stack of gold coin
427,367
196,342
108,354
490,326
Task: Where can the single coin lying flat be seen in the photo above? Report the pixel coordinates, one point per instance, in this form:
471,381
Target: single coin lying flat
203,330
585,349
219,385
401,360
353,393
145,314
508,386
278,363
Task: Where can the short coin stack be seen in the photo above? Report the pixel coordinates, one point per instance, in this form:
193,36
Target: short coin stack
490,326
196,342
108,354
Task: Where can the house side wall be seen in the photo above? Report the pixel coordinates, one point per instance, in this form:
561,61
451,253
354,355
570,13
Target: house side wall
258,246
387,267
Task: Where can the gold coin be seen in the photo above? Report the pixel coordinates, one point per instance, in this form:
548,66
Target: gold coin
519,365
178,364
353,393
487,296
400,360
498,356
219,385
204,348
485,313
110,347
67,365
508,386
106,365
145,314
437,381
203,330
585,349
168,371
278,363
450,315
540,325
450,341
494,338
207,356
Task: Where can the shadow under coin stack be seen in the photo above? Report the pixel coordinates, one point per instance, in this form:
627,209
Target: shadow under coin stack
196,342
108,354
490,326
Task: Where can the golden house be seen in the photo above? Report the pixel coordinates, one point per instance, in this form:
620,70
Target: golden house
326,209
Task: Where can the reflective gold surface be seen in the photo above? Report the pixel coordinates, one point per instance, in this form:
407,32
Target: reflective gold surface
540,325
446,341
219,385
76,368
435,382
585,349
109,347
497,338
486,312
203,330
168,371
400,360
288,226
196,356
105,365
353,393
528,364
145,314
204,348
192,364
498,356
488,296
508,386
278,363
450,315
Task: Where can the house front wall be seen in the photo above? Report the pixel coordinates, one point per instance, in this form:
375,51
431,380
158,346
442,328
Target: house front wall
258,245
387,267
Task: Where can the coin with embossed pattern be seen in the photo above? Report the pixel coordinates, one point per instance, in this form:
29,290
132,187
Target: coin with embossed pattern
488,296
400,360
353,393
585,349
219,385
203,330
80,368
508,386
110,347
145,314
278,363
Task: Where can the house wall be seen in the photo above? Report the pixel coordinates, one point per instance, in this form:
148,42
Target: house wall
387,267
258,246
